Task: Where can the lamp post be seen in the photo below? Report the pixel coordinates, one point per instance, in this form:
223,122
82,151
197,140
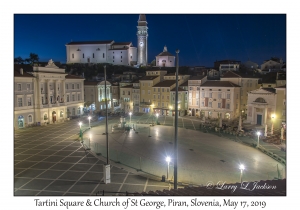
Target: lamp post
89,148
272,126
258,134
168,159
130,116
89,121
80,132
242,167
176,124
157,118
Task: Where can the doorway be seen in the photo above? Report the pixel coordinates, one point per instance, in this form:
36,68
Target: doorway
21,121
259,119
53,116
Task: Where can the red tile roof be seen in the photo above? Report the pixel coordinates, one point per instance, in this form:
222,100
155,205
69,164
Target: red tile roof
166,83
179,89
93,83
197,77
121,43
231,74
127,86
185,83
25,74
69,76
90,42
219,84
148,78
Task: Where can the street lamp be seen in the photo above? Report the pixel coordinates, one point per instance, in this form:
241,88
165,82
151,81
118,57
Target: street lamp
80,131
258,134
157,118
130,116
242,167
272,127
168,159
89,121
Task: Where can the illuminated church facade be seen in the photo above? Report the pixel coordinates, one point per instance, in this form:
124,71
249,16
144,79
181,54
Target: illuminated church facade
109,51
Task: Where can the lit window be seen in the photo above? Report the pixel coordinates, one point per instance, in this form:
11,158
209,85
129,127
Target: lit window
28,101
20,104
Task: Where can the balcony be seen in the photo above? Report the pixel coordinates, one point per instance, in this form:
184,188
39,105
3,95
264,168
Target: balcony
145,103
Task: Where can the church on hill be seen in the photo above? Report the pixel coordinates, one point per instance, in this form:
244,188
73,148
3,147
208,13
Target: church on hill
109,51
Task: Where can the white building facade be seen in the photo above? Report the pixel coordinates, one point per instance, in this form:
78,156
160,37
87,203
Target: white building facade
50,97
219,99
109,51
261,104
165,59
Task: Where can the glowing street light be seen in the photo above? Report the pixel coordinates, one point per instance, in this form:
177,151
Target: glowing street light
168,159
89,121
130,116
258,134
242,167
272,127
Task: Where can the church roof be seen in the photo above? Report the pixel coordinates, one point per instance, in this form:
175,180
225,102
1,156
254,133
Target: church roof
121,43
165,54
142,17
219,84
142,20
90,42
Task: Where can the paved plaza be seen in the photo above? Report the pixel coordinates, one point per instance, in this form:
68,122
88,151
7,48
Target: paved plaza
49,160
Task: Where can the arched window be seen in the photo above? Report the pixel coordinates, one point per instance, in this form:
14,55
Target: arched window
61,114
260,100
73,111
45,117
78,110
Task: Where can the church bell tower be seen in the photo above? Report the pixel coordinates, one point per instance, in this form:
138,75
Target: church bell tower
142,41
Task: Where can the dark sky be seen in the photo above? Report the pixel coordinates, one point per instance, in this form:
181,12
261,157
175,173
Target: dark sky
201,39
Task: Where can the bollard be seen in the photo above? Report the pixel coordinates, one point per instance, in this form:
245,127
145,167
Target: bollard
163,178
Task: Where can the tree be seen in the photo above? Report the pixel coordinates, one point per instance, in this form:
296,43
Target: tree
33,58
18,60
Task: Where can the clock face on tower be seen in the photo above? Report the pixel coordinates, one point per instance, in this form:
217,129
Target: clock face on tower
141,44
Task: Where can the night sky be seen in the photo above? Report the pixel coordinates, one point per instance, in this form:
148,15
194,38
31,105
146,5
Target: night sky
201,39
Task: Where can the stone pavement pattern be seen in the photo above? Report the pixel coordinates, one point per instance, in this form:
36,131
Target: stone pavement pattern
47,161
